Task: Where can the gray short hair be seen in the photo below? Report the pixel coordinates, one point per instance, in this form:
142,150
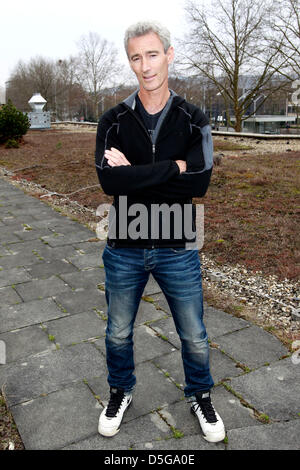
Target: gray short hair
144,27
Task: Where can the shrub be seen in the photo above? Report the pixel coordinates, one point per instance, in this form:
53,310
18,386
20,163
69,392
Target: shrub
12,144
13,123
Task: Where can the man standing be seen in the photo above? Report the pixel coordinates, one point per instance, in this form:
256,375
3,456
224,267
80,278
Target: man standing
154,154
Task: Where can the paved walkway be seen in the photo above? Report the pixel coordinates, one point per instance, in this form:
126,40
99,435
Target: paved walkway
53,319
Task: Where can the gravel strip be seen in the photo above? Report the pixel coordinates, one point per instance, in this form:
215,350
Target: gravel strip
259,146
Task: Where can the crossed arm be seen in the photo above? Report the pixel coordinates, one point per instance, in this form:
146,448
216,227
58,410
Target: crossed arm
116,158
184,185
167,179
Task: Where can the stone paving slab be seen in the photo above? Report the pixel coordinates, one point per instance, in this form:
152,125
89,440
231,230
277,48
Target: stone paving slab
7,233
148,345
9,296
151,287
82,300
70,230
30,233
166,328
24,259
85,279
72,237
9,237
76,328
52,223
277,436
48,253
143,429
41,288
57,419
171,365
16,224
47,269
24,247
90,260
49,372
90,246
252,346
159,299
195,442
9,220
147,313
273,390
39,213
220,323
25,342
3,251
29,313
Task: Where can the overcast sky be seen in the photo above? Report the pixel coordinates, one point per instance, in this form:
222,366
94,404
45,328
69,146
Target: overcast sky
51,29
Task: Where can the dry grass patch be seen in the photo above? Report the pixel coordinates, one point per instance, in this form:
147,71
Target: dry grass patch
252,213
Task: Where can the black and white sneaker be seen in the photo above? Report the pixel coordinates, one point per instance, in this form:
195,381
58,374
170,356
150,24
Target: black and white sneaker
210,422
112,415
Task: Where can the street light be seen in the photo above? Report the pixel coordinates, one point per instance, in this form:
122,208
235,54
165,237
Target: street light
57,76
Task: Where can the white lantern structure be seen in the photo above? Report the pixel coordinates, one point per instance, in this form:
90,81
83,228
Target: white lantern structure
38,118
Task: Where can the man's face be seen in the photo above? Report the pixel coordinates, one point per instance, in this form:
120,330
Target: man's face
149,61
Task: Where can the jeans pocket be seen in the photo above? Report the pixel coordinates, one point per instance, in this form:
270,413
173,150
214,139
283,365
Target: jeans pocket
109,251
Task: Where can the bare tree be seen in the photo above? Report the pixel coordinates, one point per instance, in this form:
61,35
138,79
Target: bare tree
287,24
229,44
36,76
70,97
55,80
98,66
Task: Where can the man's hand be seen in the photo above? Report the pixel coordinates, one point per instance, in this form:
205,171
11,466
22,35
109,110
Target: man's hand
115,157
182,165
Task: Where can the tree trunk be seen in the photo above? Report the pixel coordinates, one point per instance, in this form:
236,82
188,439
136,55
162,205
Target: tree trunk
238,123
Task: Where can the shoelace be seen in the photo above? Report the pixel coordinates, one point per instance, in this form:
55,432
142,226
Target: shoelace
114,404
207,409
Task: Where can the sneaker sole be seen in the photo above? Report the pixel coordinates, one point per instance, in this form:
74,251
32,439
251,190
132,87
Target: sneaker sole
215,437
108,434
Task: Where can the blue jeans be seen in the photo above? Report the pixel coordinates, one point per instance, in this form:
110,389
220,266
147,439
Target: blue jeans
178,273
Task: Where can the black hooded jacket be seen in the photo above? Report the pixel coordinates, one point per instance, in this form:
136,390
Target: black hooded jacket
153,179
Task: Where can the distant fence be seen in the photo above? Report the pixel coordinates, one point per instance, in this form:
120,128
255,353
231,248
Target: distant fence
252,135
249,135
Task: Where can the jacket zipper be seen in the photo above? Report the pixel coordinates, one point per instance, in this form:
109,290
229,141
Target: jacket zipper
144,129
146,132
153,149
153,152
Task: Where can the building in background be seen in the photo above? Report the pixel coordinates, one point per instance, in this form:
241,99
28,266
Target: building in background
2,95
